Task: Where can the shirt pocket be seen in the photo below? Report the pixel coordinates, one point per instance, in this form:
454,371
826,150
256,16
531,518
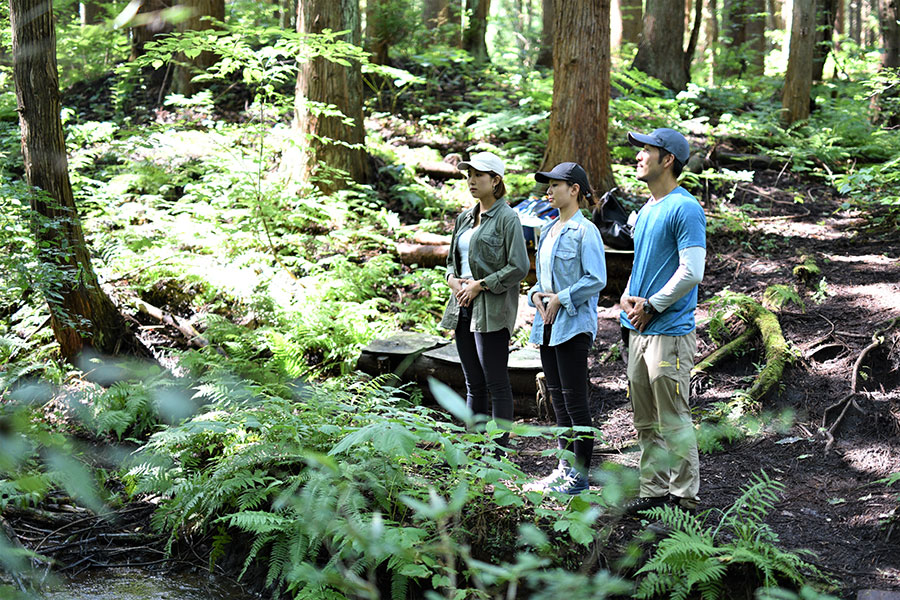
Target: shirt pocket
492,250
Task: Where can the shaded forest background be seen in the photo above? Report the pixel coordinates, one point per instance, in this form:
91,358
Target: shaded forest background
209,209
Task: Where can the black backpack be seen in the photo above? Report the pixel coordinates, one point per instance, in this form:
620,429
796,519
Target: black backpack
612,221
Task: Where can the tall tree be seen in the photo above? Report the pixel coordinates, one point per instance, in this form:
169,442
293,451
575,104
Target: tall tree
660,51
579,119
889,21
743,37
625,21
90,12
382,28
825,15
795,99
545,56
333,143
147,24
201,13
81,314
712,37
474,37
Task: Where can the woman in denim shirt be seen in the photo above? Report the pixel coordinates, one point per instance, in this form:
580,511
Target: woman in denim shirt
571,271
487,261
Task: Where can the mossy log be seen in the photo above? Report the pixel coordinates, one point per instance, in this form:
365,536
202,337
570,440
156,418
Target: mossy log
759,319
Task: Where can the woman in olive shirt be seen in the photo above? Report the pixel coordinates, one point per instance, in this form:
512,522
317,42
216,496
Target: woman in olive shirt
487,261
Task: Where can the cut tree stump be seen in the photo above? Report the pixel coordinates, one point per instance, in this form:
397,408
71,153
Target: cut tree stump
417,357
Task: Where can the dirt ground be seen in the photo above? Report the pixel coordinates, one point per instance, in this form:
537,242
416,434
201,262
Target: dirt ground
832,503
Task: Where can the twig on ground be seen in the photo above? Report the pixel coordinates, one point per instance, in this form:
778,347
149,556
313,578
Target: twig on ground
849,400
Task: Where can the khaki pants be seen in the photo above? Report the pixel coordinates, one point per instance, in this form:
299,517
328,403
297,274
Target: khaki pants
659,378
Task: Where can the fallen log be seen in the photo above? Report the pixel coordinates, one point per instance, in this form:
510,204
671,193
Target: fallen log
440,170
424,255
765,322
187,330
748,161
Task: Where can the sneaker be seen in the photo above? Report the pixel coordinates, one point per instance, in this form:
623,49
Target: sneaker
637,505
574,484
558,476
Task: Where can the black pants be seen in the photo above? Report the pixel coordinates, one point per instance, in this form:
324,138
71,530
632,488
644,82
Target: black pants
484,358
566,374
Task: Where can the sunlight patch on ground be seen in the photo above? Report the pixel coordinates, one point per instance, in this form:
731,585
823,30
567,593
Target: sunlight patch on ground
872,296
789,228
878,459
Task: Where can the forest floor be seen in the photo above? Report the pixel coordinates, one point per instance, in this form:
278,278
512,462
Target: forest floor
832,504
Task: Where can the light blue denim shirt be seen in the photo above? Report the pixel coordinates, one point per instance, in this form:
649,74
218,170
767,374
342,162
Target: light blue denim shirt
579,273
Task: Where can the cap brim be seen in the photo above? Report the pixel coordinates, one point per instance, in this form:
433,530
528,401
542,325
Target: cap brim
543,176
639,139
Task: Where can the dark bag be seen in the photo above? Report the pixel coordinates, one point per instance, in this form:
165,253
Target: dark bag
612,221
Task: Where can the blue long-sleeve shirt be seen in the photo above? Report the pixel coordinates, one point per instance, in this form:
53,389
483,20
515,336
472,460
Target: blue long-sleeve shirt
578,265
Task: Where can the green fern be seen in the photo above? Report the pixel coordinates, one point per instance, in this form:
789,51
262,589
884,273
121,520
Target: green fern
693,558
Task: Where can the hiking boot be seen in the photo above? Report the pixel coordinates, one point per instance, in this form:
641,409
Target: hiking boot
686,504
637,505
574,484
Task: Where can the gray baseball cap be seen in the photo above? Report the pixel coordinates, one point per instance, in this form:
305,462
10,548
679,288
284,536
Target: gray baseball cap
668,139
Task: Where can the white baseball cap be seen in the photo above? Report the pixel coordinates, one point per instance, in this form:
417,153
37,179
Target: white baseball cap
484,162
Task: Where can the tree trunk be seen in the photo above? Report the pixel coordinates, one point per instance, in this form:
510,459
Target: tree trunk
774,19
712,38
857,21
825,14
151,12
798,80
545,56
285,11
186,71
325,81
744,28
661,51
474,38
839,15
579,121
625,21
888,16
692,42
378,30
90,12
155,25
81,313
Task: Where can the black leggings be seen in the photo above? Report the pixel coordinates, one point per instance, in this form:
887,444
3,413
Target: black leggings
484,358
566,374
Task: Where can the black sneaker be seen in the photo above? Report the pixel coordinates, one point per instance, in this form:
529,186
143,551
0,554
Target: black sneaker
633,507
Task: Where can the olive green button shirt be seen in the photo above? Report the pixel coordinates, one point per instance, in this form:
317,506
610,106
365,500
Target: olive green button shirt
498,257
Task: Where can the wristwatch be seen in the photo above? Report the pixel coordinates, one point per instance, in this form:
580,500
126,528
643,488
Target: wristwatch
648,309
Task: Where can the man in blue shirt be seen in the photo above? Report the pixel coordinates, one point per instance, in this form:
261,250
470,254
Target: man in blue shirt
658,310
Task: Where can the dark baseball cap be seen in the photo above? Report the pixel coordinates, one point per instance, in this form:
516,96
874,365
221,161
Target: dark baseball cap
569,172
668,139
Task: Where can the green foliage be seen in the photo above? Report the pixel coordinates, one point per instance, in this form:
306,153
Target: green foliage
351,473
696,558
777,295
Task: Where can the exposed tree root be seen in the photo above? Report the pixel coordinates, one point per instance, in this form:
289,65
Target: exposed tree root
850,399
765,322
